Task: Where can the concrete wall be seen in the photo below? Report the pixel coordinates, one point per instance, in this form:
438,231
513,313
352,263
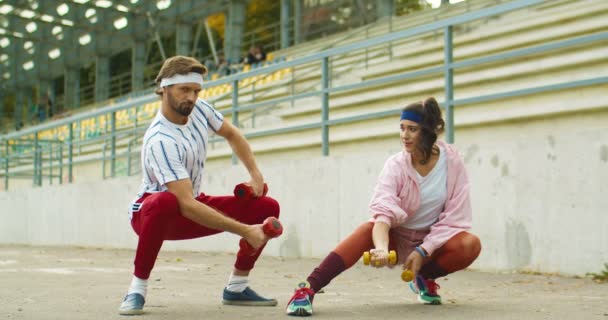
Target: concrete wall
537,162
538,197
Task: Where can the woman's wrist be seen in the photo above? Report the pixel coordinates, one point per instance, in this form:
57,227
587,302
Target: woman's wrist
380,236
421,251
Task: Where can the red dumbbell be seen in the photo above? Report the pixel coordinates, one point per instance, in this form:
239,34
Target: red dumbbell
272,227
243,191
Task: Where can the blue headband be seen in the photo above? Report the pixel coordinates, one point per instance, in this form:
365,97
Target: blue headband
411,115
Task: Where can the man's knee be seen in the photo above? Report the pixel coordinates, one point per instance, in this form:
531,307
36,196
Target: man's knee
271,206
162,203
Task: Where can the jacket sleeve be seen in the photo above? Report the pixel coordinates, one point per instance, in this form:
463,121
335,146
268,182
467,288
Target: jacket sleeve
456,217
385,205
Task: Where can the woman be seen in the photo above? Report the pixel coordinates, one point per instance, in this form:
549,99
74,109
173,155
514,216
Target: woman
420,208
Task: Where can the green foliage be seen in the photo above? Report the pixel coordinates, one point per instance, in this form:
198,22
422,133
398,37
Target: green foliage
404,7
600,277
262,13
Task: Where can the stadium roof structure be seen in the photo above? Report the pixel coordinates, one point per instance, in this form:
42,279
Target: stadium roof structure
40,39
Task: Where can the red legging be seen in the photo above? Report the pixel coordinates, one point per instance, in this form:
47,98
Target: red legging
456,254
159,219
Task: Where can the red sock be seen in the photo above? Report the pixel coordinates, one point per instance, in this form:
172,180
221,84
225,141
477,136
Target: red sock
329,268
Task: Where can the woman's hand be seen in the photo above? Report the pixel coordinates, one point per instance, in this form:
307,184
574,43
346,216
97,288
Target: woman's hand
379,258
413,262
379,255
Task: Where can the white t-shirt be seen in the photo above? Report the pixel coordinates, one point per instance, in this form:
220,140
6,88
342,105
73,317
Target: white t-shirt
172,152
433,195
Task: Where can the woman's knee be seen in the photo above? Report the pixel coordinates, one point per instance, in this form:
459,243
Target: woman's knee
468,244
472,245
459,252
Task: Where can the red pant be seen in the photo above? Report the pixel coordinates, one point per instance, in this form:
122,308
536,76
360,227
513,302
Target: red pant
159,219
456,254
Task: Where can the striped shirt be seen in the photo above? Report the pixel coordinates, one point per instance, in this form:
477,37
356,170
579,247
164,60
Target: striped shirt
172,152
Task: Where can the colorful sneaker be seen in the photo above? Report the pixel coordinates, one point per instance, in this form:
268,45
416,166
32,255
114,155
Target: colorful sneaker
246,298
426,290
132,304
300,304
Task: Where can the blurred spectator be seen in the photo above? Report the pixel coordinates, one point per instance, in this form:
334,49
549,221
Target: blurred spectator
256,54
45,108
50,109
210,65
41,112
224,68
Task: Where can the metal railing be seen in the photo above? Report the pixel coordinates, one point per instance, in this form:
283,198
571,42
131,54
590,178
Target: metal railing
268,35
117,143
120,85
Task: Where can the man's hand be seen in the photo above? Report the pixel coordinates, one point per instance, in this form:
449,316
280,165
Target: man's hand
255,236
257,184
413,262
241,148
379,258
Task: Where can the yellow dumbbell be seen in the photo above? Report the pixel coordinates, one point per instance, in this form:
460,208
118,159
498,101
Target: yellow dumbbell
392,257
407,275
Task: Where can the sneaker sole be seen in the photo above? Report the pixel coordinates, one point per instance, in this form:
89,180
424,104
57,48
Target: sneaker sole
433,303
270,303
300,312
130,312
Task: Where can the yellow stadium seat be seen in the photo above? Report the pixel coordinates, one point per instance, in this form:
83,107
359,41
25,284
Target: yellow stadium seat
226,88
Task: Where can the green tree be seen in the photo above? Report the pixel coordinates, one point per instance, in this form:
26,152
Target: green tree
260,14
405,7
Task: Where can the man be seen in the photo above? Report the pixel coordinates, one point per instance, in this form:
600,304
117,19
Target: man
168,206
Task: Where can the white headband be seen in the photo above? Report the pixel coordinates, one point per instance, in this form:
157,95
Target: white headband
191,77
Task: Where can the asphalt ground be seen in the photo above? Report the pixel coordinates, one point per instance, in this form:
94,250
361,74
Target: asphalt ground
89,283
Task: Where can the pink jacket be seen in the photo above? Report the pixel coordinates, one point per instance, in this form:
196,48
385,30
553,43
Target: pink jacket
397,197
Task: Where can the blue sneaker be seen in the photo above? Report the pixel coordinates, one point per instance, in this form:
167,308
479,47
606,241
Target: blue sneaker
246,298
426,290
133,304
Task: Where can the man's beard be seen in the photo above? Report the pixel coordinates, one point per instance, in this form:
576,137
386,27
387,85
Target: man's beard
184,108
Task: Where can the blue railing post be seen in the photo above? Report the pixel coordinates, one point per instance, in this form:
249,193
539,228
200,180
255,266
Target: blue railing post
325,105
70,151
449,84
6,164
37,160
113,144
51,163
235,112
60,163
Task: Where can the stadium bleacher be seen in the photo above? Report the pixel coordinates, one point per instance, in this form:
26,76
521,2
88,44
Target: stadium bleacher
543,24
